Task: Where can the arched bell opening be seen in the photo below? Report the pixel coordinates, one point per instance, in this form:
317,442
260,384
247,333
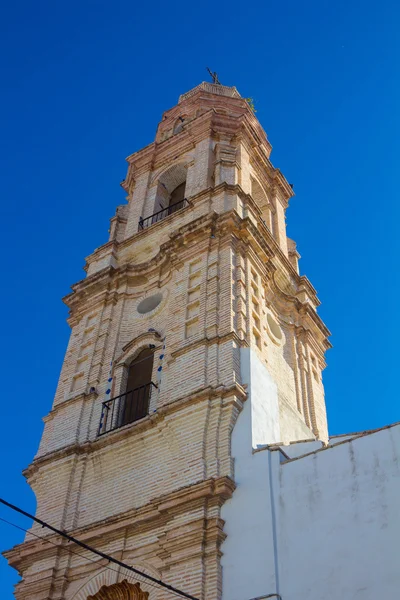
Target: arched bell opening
171,190
177,196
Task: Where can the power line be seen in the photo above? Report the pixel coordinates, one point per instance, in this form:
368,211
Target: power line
39,537
101,554
68,550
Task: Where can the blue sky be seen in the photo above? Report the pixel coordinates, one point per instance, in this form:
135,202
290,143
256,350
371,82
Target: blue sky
85,83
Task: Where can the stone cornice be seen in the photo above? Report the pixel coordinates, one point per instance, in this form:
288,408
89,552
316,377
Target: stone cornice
277,179
147,422
61,404
103,285
157,511
314,345
142,152
317,321
250,233
300,280
95,289
218,339
211,88
303,310
253,136
212,120
310,288
116,247
159,153
109,248
181,143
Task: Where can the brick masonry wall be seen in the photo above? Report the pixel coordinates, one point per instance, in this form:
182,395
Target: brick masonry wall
219,271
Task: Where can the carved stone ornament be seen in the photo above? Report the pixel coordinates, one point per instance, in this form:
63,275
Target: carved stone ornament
120,591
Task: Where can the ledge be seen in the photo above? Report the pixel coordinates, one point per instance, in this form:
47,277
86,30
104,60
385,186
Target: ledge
92,445
159,508
211,88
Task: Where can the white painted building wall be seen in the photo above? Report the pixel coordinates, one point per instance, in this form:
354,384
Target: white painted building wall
324,524
338,518
247,514
264,404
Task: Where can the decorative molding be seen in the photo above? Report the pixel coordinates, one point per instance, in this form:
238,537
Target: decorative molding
214,491
120,591
211,88
137,343
235,391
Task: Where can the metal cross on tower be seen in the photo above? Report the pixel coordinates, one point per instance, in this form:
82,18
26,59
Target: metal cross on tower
214,77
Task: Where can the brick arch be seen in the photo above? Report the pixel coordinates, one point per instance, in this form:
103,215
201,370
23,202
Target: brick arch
110,578
179,123
132,349
172,176
263,201
120,591
92,584
129,353
258,192
167,181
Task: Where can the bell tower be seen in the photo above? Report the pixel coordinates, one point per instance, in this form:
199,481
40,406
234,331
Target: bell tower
193,308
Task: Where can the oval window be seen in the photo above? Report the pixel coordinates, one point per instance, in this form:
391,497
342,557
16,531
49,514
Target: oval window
274,327
149,304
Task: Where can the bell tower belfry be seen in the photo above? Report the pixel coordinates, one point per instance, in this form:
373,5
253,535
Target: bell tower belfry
193,308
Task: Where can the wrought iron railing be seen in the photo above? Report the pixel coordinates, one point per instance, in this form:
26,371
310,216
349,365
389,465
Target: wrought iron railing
126,408
161,214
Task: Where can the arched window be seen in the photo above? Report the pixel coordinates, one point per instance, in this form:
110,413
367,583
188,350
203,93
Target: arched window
138,388
261,199
170,193
178,127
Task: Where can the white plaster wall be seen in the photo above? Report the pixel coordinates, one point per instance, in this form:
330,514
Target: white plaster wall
272,419
338,524
323,526
245,515
337,439
249,551
292,426
248,572
300,448
263,396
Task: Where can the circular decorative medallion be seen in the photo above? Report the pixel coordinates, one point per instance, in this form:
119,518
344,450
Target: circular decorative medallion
150,303
274,329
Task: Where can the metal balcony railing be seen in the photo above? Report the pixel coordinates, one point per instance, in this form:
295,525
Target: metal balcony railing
161,214
126,408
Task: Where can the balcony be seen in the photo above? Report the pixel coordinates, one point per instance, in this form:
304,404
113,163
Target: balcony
161,214
126,408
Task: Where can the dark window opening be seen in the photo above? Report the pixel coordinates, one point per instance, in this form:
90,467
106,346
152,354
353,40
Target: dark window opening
138,388
177,196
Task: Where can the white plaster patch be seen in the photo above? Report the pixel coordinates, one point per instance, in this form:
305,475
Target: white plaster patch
263,396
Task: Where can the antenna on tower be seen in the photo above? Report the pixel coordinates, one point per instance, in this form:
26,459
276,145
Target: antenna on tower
214,77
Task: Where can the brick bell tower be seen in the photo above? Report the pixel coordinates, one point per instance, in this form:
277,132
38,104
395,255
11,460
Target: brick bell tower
193,308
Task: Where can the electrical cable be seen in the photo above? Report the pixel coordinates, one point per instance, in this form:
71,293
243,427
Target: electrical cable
69,550
87,547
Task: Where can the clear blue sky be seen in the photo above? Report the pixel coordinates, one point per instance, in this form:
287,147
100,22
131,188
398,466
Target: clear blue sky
84,84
